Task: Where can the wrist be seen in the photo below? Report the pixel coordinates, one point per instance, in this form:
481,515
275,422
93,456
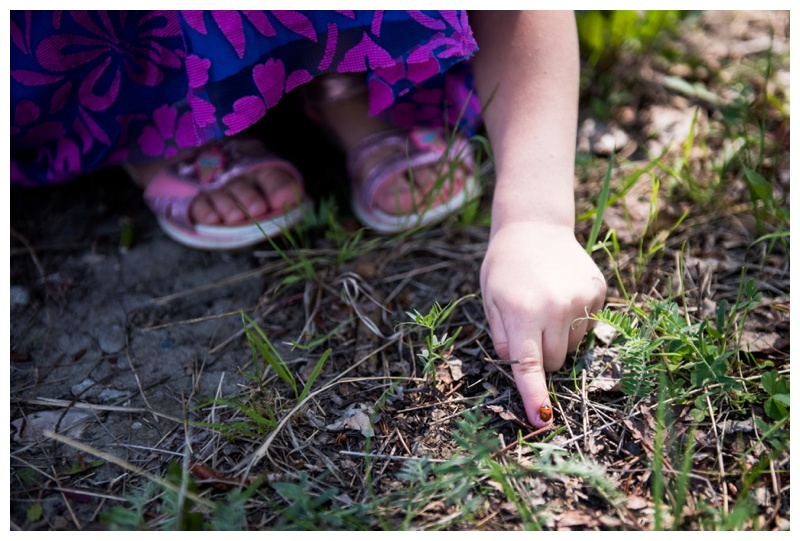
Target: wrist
534,228
533,210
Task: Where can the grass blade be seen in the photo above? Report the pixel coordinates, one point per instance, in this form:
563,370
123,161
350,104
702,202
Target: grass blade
601,207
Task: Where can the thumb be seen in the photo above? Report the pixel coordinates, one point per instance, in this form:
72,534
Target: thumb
531,382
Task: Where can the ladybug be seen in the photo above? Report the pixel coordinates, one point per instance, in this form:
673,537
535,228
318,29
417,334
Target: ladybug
545,412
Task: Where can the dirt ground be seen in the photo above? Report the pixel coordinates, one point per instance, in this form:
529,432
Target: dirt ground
116,342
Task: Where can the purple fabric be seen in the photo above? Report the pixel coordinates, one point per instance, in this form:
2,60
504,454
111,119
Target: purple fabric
92,89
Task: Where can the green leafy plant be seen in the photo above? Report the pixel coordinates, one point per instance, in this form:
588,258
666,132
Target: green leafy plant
602,201
701,354
604,34
131,518
777,387
260,417
436,346
179,506
260,344
764,205
310,507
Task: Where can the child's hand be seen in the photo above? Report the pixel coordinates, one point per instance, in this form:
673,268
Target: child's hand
537,283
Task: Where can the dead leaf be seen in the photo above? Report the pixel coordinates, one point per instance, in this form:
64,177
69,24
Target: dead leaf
738,426
346,388
604,373
508,416
70,423
634,503
604,332
609,521
503,414
638,430
762,342
443,375
354,418
367,269
576,517
455,369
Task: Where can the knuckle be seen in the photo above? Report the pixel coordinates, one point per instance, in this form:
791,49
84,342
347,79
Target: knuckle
501,348
531,365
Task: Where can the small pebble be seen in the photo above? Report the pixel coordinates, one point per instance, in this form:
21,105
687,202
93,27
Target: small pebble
19,296
107,395
79,388
111,338
136,426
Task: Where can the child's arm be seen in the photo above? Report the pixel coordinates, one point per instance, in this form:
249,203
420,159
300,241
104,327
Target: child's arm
536,279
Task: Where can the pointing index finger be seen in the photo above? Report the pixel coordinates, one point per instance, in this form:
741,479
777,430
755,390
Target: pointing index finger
530,379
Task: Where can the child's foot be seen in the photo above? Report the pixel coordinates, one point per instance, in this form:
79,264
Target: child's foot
260,192
411,190
227,195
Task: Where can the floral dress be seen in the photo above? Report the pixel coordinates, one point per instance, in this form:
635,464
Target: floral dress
96,88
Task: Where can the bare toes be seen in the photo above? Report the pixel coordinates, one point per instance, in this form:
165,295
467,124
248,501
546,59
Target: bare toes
202,212
226,207
281,189
246,195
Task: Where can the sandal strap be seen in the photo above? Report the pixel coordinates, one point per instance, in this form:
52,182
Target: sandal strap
414,149
173,189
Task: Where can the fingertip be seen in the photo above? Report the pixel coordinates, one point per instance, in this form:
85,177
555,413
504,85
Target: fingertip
544,415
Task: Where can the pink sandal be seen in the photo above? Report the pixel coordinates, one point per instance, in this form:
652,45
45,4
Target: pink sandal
170,193
412,149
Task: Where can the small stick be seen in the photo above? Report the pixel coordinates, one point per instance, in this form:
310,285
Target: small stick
500,361
515,442
187,321
389,457
66,501
719,457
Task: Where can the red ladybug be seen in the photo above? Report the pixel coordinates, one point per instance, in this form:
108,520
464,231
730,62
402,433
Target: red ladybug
545,412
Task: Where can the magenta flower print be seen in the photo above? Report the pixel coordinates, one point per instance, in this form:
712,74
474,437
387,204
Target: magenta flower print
297,78
106,54
65,163
60,97
167,133
231,24
25,113
197,70
367,51
22,37
194,18
380,96
260,21
270,78
202,111
297,23
420,71
246,111
426,21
